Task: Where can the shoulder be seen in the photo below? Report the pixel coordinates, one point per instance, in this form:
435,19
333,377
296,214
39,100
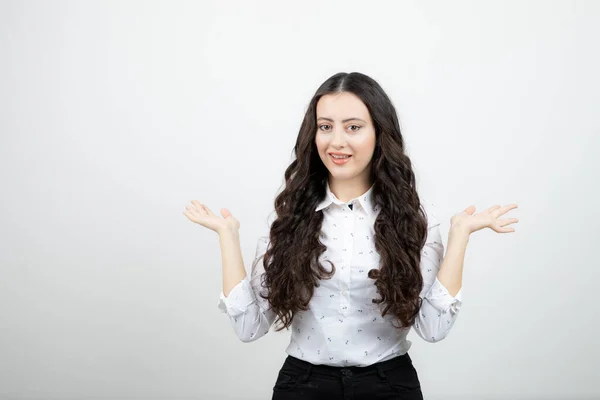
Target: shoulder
265,231
431,212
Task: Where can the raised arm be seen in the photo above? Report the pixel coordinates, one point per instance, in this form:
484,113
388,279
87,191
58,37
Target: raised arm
442,274
249,313
439,308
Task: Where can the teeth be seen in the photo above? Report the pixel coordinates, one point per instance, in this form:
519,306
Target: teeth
334,156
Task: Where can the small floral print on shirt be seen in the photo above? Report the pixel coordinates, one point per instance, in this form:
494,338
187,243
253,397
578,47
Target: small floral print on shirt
350,317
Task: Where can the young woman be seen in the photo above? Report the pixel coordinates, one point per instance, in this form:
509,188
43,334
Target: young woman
353,259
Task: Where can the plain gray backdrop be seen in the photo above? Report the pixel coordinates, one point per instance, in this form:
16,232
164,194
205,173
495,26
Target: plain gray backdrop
114,115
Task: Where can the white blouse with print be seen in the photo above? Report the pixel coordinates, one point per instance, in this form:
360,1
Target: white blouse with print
342,326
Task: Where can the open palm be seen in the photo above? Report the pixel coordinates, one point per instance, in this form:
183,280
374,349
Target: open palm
201,214
488,218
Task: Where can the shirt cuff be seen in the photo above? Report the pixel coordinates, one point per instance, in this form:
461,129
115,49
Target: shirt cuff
440,298
239,299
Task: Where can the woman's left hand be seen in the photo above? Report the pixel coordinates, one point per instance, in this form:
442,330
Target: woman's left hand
470,222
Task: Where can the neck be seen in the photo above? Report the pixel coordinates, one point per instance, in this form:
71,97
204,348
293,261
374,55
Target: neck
346,190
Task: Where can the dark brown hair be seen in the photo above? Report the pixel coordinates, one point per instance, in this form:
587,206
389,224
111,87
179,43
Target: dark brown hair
292,268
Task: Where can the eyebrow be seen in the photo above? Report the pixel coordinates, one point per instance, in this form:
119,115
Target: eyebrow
346,120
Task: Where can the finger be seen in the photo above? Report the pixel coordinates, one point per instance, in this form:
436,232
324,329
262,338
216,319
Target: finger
507,221
208,211
200,207
503,210
492,208
225,212
469,210
190,216
505,230
192,210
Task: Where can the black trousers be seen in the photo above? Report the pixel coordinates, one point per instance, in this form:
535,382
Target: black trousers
394,379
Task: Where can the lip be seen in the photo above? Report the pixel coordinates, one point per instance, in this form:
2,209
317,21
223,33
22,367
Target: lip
339,161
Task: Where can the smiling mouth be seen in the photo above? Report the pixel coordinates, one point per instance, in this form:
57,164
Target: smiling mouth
339,156
339,160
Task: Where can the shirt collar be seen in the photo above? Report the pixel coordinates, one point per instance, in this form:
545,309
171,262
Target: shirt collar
365,200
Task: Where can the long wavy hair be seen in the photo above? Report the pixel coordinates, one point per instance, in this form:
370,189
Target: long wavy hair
292,267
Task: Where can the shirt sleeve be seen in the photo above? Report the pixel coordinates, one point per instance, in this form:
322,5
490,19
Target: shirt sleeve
250,314
439,309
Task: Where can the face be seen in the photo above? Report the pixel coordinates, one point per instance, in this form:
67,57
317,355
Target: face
344,127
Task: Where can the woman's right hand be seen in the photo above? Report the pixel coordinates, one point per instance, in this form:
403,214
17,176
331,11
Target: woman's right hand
202,215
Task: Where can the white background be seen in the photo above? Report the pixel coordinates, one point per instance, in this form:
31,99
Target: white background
114,115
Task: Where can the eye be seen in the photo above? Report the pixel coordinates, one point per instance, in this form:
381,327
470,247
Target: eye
357,128
321,126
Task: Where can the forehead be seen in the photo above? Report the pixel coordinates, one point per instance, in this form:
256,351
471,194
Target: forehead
341,106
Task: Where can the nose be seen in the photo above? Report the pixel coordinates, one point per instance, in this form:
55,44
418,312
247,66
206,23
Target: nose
338,139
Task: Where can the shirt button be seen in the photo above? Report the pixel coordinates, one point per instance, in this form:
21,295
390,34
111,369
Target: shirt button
344,292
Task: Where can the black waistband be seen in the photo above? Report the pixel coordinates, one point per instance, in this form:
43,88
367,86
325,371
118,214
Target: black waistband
334,370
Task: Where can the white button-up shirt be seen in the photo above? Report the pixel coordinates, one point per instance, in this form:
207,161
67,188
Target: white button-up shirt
342,326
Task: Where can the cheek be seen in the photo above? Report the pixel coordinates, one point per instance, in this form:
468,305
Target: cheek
365,148
321,144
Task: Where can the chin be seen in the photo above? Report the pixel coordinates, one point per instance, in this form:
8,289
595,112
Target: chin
341,174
